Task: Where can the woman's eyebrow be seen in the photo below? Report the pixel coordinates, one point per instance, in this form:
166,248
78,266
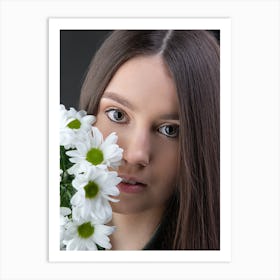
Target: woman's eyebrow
114,96
173,116
119,99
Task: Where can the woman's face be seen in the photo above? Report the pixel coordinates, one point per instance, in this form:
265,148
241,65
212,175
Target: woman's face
140,104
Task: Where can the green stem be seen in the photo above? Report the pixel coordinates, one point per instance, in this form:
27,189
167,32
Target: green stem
63,159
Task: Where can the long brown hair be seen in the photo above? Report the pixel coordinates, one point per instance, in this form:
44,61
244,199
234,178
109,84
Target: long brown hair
192,57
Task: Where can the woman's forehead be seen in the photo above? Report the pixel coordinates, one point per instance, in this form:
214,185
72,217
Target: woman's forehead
143,81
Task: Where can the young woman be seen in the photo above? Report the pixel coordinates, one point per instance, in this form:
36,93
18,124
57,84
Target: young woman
159,91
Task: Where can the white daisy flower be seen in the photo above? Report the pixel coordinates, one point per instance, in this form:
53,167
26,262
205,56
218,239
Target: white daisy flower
64,212
73,126
84,235
94,190
93,151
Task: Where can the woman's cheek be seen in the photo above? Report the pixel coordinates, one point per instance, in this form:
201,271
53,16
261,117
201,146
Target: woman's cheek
107,127
102,124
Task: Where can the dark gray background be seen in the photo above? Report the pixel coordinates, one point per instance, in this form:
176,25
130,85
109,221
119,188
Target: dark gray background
77,48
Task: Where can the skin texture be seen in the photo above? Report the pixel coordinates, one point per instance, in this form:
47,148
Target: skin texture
140,104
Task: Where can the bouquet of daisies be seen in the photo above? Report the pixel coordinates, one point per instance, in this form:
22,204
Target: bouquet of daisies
87,183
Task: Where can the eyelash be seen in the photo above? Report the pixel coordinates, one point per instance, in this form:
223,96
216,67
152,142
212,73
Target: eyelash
110,114
175,128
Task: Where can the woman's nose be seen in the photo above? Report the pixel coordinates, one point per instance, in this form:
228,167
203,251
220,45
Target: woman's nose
137,150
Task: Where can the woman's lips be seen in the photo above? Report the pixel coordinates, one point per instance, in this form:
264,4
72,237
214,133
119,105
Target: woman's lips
131,185
131,188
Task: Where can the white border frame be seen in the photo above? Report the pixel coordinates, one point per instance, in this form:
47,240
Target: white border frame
55,25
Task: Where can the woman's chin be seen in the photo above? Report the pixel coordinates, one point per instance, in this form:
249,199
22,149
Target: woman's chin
126,207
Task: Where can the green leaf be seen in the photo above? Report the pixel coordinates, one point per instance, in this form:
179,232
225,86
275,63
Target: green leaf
65,163
66,188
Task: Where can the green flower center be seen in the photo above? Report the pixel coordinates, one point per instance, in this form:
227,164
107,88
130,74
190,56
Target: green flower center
95,156
85,230
75,124
91,189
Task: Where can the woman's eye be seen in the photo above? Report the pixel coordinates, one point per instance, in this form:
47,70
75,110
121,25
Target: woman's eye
116,115
169,130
